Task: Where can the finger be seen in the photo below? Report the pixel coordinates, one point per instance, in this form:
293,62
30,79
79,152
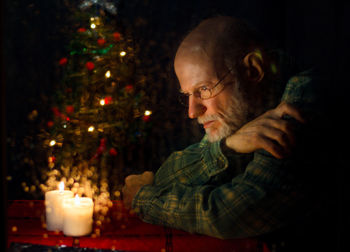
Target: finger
288,109
279,136
285,127
131,179
272,147
148,177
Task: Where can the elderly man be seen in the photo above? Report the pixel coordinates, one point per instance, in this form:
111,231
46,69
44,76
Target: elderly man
249,174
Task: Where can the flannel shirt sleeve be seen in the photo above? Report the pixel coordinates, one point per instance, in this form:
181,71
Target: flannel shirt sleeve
246,206
267,195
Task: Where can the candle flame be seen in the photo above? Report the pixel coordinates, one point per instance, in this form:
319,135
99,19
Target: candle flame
77,199
61,186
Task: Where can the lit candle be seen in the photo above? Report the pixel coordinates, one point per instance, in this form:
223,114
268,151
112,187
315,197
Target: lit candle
54,208
78,214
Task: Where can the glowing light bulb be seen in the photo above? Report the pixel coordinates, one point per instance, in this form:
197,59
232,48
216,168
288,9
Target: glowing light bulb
102,102
108,74
61,186
122,53
52,142
148,113
91,128
93,26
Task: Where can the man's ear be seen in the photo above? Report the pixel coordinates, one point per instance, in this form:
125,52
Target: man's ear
253,65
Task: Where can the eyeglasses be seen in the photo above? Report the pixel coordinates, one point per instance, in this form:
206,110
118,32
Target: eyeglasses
204,92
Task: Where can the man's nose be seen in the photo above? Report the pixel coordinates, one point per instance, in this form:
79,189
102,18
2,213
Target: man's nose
195,107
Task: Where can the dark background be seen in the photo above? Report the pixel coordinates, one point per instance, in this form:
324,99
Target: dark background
314,32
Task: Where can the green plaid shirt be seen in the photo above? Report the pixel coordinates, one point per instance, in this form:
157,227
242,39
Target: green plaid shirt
209,189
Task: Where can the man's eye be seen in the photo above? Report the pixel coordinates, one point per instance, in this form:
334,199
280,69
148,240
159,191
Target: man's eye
203,88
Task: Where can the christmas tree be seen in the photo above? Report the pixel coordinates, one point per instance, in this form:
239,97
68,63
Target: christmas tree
99,111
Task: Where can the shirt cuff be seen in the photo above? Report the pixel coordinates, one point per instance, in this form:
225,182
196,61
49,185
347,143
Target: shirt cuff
142,199
228,152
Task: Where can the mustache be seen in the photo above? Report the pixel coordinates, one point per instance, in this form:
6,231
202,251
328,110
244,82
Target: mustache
207,118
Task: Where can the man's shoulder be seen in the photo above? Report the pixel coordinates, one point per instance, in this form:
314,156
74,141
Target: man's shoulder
306,88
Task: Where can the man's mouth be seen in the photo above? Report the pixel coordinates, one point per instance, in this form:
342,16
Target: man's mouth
208,124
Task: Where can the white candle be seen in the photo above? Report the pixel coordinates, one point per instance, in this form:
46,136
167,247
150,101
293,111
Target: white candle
78,214
54,208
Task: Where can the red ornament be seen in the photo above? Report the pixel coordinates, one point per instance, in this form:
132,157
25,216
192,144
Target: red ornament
90,65
50,124
63,61
100,150
69,90
113,152
69,109
117,36
108,100
101,41
146,118
103,142
80,30
56,111
129,88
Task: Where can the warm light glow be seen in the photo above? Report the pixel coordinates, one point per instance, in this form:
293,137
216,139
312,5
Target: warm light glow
61,186
52,159
52,142
102,102
92,19
93,26
77,199
108,74
91,129
148,112
122,53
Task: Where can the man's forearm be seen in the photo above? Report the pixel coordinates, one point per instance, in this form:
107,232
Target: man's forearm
242,208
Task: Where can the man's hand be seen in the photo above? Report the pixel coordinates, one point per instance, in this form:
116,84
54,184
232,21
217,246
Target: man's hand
269,132
133,183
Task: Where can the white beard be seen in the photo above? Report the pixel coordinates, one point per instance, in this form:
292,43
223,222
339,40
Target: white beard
216,134
230,120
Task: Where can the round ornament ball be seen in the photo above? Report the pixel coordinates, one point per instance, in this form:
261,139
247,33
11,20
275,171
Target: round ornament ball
90,65
63,61
101,41
117,36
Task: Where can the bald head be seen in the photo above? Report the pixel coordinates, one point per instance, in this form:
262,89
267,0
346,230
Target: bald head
223,40
222,50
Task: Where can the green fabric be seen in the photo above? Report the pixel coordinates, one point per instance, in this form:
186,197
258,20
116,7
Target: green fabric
209,189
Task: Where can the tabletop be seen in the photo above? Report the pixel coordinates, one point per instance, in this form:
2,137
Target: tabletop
119,230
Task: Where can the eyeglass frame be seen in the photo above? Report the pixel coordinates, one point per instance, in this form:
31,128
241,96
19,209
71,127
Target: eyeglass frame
208,89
